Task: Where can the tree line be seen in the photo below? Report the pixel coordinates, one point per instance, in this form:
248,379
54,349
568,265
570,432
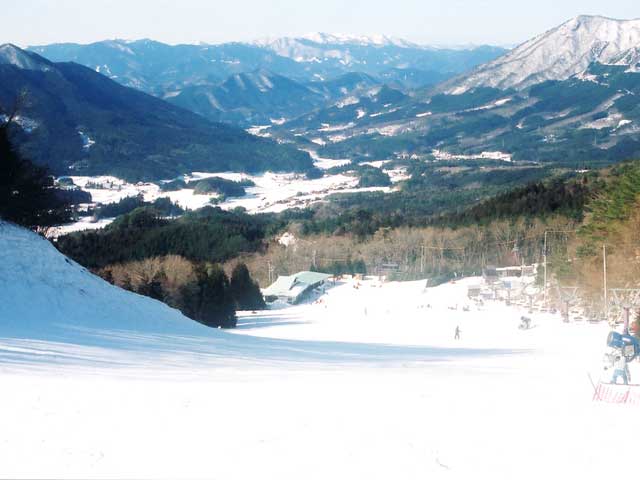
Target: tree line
200,290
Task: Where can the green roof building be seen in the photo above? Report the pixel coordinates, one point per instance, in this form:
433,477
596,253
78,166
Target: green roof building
293,289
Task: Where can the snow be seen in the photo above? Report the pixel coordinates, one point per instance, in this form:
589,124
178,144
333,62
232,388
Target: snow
316,46
326,163
172,94
347,101
287,239
83,224
259,131
398,175
87,141
102,383
276,192
443,155
113,189
27,124
273,192
12,55
614,120
376,164
558,54
326,127
45,296
340,137
388,130
497,103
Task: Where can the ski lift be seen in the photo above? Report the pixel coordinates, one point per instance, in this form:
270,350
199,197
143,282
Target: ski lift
567,296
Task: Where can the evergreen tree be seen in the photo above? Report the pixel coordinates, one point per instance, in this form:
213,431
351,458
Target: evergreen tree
27,196
156,289
244,290
215,305
153,287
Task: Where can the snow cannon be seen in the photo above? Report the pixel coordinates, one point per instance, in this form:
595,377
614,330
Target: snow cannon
627,344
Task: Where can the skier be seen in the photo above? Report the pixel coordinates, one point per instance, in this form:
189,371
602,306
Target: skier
620,369
457,334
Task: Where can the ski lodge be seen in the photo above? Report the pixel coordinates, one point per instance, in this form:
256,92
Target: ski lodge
293,289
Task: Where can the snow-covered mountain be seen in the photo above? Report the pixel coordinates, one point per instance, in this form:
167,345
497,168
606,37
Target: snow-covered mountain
302,48
558,54
159,69
44,295
12,55
372,54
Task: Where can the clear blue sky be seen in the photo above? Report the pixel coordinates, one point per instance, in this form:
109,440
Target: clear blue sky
453,22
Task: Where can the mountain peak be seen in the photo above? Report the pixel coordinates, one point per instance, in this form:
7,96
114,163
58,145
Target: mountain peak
366,40
558,54
13,55
327,39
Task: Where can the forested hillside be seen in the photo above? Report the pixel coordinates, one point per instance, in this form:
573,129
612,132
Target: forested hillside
72,119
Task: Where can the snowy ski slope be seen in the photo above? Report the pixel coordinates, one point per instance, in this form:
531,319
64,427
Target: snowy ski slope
368,383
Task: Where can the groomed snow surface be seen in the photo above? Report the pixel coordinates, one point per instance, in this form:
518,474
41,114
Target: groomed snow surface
367,383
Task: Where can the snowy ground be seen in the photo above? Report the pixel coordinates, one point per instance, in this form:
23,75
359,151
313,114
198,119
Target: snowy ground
327,390
273,192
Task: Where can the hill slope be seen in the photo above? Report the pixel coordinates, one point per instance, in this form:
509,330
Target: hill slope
79,120
558,54
254,98
44,295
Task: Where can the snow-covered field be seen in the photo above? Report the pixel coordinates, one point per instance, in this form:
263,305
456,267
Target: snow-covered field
273,192
366,383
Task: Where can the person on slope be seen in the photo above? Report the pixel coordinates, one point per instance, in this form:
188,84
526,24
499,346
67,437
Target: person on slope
620,369
457,334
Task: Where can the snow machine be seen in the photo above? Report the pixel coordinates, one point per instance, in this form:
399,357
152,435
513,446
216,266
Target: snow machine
627,344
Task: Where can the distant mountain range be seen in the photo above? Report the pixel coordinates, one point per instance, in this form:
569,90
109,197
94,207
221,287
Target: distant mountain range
567,96
158,68
263,98
75,120
209,79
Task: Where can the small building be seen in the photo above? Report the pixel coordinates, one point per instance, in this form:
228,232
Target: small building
473,291
520,271
293,289
509,272
490,274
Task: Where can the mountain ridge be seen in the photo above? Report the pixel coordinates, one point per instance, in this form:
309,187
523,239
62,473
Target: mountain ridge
557,54
81,121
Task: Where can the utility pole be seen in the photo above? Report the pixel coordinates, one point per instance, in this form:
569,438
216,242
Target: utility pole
422,258
545,268
604,264
314,259
270,272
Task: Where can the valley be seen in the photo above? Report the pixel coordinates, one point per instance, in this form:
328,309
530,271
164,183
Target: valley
319,255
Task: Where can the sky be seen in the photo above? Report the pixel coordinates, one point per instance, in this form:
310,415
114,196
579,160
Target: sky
433,22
